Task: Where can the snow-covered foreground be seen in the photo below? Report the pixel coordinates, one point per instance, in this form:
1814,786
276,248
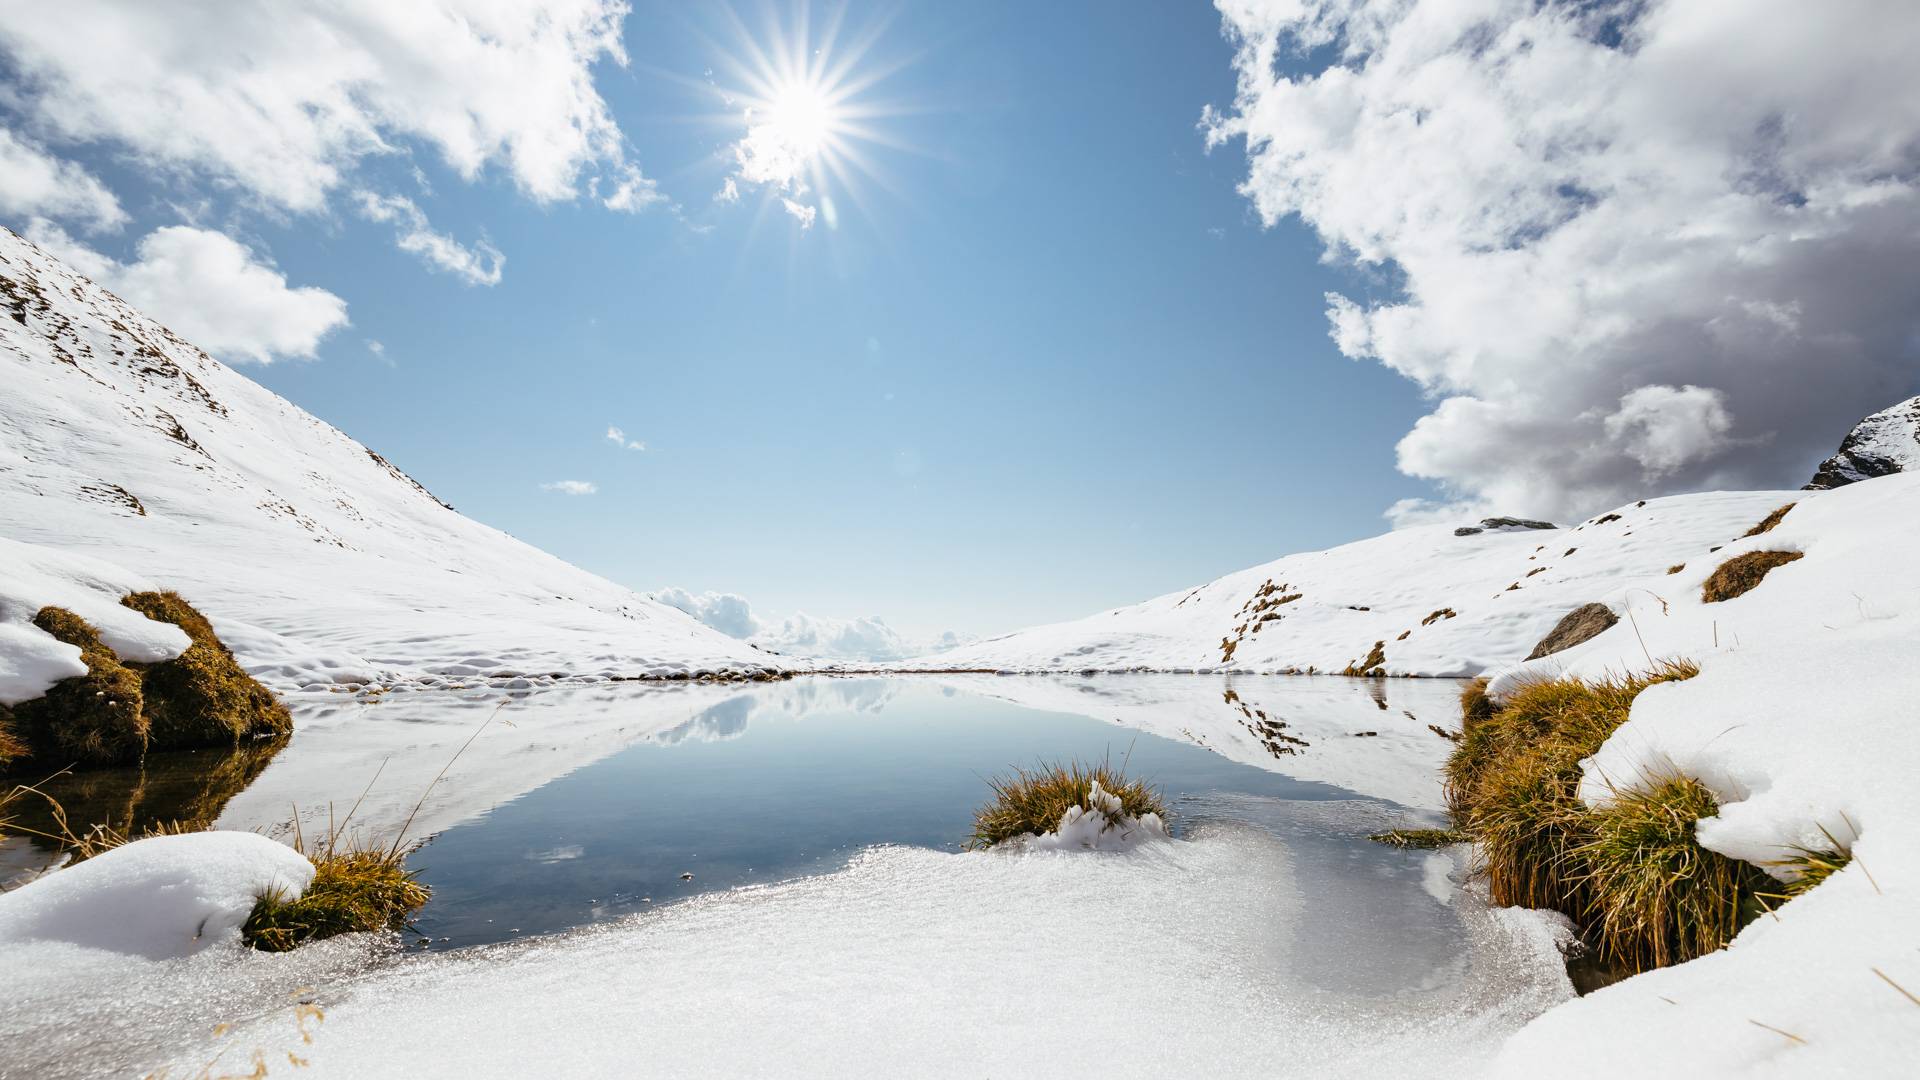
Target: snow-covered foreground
1175,958
317,560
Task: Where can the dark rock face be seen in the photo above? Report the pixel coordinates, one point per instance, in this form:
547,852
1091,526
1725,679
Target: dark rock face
1886,442
1580,624
1500,523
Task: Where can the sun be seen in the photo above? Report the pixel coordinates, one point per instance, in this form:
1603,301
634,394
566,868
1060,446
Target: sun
800,99
804,118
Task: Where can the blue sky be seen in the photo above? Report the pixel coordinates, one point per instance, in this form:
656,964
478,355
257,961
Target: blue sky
1047,361
1049,354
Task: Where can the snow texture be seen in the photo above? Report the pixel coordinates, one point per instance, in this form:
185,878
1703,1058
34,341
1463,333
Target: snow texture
318,561
162,897
1185,958
1802,722
1435,603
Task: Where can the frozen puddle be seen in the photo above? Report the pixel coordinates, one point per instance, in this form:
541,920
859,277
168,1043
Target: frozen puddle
832,929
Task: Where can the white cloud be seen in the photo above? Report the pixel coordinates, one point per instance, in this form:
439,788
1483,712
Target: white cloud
211,290
414,234
571,487
862,639
729,192
619,438
34,183
632,192
285,100
1642,246
801,212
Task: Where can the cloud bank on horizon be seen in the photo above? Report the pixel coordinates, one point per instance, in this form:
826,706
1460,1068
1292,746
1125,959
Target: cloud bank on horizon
867,638
1630,247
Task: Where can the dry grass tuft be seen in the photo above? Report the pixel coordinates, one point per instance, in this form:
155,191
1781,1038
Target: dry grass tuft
1419,838
1475,705
1676,568
1033,801
1655,896
202,697
1512,780
1767,523
1740,574
353,891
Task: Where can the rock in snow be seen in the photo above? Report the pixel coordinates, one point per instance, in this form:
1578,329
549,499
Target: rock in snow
1886,442
317,560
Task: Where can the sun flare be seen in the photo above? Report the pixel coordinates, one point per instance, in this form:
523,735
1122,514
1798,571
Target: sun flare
803,117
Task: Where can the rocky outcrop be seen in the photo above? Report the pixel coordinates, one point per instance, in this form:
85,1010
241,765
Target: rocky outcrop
1884,443
1503,524
1583,622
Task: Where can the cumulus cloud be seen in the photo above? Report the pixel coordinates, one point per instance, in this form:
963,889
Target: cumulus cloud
571,487
211,290
477,265
34,183
862,639
619,438
285,100
1632,246
801,212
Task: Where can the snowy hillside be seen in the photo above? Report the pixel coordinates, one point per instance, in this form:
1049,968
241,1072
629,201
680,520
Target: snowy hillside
317,559
1803,725
1434,600
1886,442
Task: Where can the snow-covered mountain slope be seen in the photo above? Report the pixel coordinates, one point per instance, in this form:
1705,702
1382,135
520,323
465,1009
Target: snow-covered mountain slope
1434,600
316,558
1804,722
1885,443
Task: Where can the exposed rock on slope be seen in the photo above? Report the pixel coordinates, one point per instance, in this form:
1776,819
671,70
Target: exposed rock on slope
316,559
1884,443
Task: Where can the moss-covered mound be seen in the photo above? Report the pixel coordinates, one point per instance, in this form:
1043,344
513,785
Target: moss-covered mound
202,697
352,892
1035,801
118,711
1631,875
91,719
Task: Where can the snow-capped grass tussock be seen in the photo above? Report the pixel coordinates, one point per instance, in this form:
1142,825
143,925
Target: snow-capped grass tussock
318,561
33,577
1801,727
1431,600
115,707
1070,807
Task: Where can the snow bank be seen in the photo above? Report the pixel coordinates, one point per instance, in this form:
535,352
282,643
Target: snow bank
1803,723
33,577
165,896
1435,602
1174,959
119,439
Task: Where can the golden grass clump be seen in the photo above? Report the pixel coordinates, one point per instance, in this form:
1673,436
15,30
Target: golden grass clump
1475,705
1511,782
1425,839
202,697
12,746
1033,801
91,719
1740,574
1655,896
352,892
1767,523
